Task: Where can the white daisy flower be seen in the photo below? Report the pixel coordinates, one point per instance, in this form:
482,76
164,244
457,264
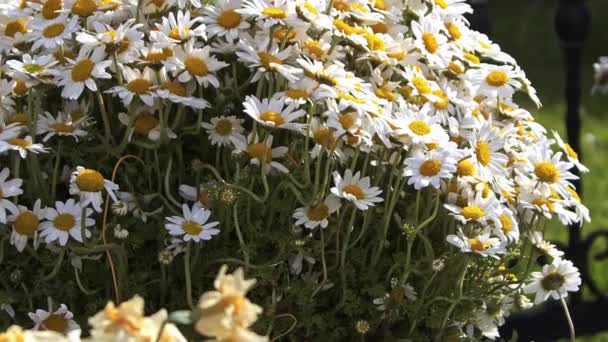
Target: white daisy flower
144,124
83,71
35,66
356,189
451,8
317,215
138,84
421,129
25,225
65,220
223,20
89,184
507,227
486,143
543,246
258,54
194,63
9,130
481,244
177,30
177,92
60,320
262,153
224,130
52,33
192,225
22,146
431,41
477,209
270,12
273,113
570,153
493,81
424,169
548,170
124,40
8,188
63,125
555,281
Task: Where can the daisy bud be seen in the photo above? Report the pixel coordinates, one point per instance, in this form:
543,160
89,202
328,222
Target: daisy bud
120,208
438,265
120,233
228,196
165,257
362,326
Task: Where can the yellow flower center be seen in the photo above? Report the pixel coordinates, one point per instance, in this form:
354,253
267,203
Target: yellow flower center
273,117
471,58
507,225
345,28
55,323
229,19
192,228
53,30
223,127
139,86
50,9
310,8
33,68
19,117
82,70
430,168
19,142
175,88
497,78
20,88
421,85
453,30
472,212
443,101
297,94
62,127
144,123
430,42
441,3
570,151
64,222
465,168
477,245
379,28
176,35
455,68
260,152
385,94
553,281
26,223
84,8
546,172
354,190
380,4
313,48
543,202
347,121
275,13
318,213
572,192
284,34
14,27
90,181
237,302
196,66
420,127
267,58
482,150
375,42
324,137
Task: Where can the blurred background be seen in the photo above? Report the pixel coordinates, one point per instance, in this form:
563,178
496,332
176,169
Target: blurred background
526,30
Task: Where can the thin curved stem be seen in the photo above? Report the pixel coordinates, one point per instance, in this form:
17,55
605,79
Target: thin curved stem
569,319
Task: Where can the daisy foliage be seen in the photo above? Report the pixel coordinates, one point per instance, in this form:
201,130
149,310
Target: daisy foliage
142,143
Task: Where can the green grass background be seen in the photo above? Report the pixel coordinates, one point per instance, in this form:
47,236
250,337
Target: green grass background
525,29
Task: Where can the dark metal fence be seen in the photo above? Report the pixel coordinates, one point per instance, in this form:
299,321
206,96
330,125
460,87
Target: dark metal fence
547,323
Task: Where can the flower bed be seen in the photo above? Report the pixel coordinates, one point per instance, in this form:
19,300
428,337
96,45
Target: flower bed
366,161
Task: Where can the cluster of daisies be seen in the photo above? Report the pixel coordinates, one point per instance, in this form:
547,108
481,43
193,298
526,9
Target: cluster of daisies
224,314
366,114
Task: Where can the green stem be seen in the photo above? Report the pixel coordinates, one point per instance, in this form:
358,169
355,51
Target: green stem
56,170
569,319
187,275
239,235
